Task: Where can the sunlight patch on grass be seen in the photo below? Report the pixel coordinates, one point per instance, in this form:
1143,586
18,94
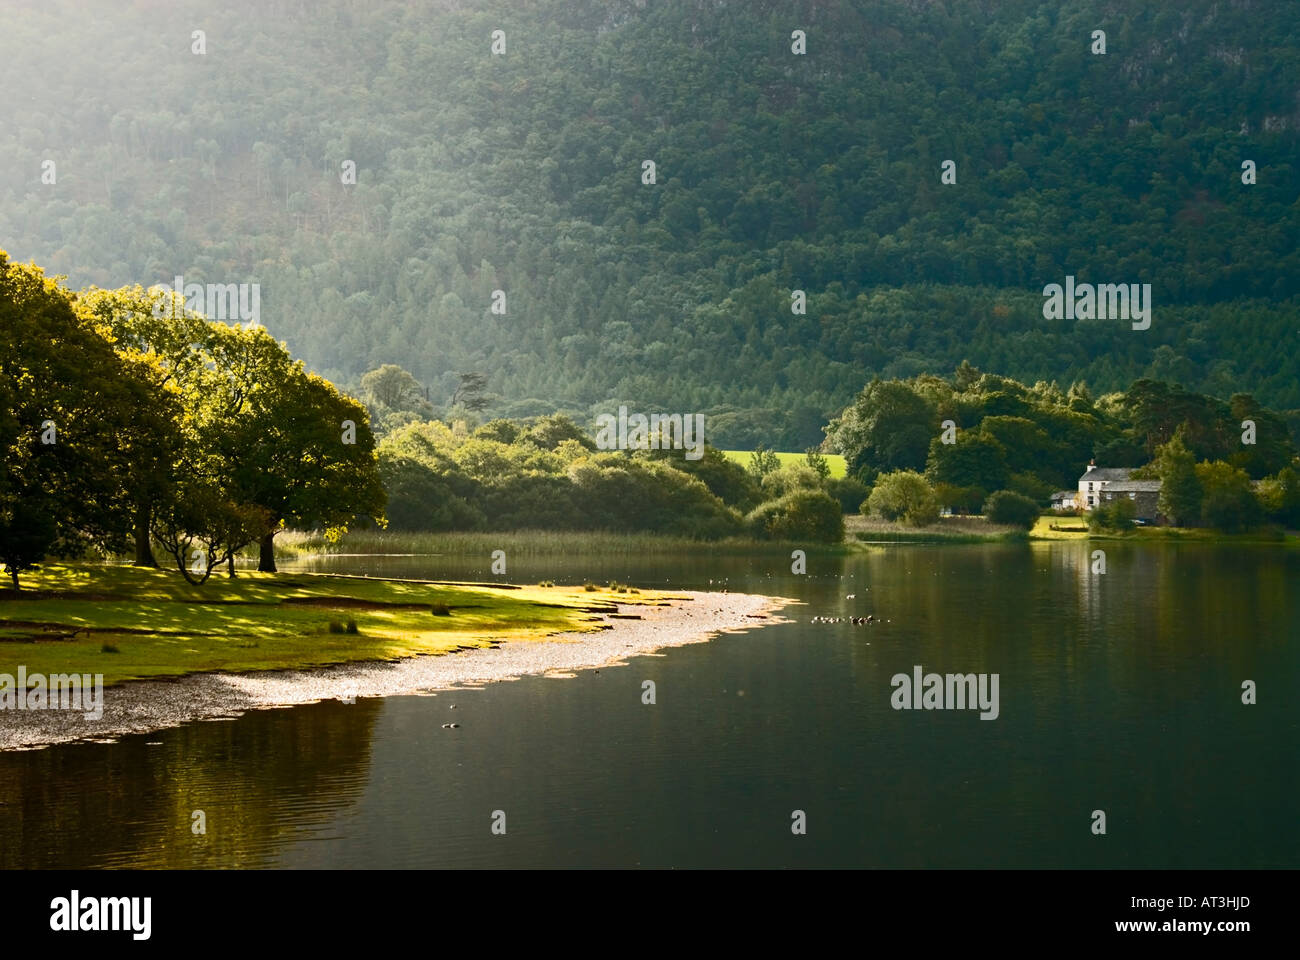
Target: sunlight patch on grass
162,626
837,463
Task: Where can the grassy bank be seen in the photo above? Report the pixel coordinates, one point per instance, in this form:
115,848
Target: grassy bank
1067,528
979,530
1076,528
131,623
947,530
535,543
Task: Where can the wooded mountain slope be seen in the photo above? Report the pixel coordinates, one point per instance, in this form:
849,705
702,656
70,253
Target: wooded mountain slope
522,172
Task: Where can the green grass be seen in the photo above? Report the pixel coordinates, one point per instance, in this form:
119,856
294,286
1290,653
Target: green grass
1073,528
130,623
947,530
838,466
979,530
1076,528
534,543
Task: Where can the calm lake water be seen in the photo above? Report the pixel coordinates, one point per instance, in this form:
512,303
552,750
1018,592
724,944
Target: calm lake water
1118,692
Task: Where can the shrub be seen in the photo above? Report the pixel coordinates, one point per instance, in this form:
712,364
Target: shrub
1117,514
1279,496
849,491
789,478
800,515
904,495
440,610
1009,507
1228,500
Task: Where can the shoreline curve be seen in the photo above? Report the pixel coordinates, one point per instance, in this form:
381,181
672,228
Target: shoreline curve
146,706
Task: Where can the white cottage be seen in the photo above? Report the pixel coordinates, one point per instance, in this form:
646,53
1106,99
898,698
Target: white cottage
1095,481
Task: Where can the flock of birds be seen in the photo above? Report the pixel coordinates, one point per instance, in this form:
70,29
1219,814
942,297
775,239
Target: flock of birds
856,621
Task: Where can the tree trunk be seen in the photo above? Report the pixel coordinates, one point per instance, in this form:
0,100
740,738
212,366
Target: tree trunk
266,554
13,574
230,566
143,549
185,571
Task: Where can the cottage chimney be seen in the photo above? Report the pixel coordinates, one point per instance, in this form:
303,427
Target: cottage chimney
1092,465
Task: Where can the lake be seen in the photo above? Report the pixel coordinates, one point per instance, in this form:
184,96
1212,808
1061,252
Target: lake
1119,692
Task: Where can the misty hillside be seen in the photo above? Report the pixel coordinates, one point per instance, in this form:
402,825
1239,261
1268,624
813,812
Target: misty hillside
522,172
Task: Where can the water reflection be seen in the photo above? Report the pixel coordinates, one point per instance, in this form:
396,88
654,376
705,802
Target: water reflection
261,782
1119,691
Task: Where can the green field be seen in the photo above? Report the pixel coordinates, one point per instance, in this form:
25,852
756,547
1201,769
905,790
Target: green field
131,623
836,462
1076,528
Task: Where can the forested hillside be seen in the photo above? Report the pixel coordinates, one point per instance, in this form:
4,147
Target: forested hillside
522,172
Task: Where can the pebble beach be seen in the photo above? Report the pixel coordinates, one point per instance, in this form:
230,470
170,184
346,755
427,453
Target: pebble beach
148,705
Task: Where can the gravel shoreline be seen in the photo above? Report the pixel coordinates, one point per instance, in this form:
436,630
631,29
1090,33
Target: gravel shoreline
146,705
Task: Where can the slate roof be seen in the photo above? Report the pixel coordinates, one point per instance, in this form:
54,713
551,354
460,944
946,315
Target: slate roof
1134,486
1110,474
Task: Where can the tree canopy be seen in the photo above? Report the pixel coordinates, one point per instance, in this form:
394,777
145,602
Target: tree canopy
121,422
521,173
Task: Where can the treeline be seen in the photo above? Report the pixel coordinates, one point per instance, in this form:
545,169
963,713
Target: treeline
1214,493
521,173
448,470
548,474
931,442
971,442
128,422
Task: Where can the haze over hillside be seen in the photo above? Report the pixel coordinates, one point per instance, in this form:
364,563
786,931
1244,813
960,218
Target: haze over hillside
522,172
